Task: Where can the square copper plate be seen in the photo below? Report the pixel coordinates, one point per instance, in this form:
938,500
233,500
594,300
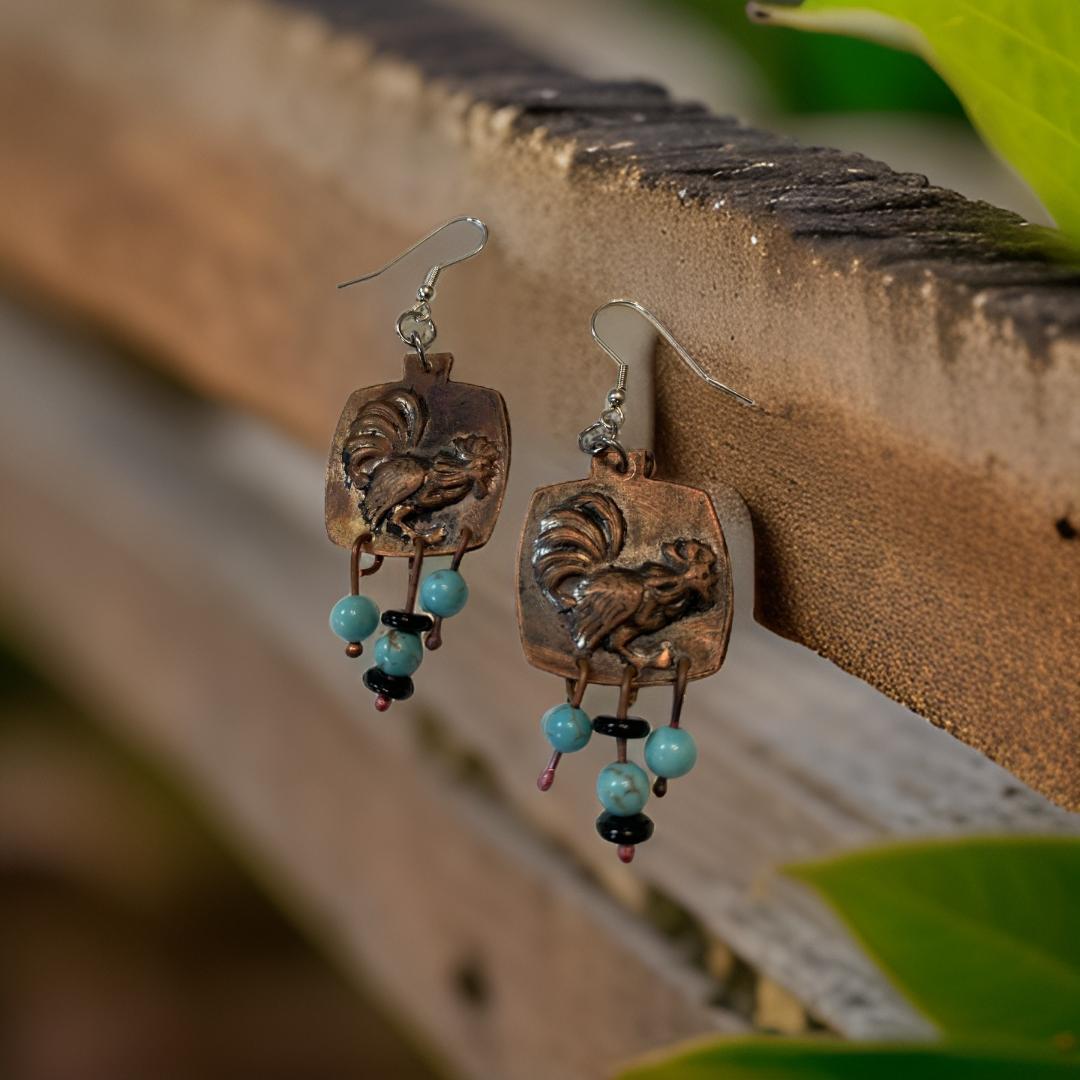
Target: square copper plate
624,551
430,438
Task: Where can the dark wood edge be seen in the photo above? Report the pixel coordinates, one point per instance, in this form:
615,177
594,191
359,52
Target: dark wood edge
890,221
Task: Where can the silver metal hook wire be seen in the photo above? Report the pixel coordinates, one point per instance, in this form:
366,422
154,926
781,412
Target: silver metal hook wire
603,434
433,274
667,335
415,326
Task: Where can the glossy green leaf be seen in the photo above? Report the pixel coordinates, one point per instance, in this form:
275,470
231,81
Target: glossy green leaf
1014,64
783,1059
816,73
982,934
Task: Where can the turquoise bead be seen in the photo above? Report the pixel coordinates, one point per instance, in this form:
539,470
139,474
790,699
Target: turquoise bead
623,788
398,652
443,593
670,752
566,728
354,618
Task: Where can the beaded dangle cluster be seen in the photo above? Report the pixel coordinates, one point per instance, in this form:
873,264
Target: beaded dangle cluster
622,787
399,651
417,469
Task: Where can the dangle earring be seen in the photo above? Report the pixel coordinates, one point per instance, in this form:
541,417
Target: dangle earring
624,580
417,469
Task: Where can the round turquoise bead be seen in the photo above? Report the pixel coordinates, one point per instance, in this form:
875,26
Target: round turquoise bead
354,618
398,652
670,752
566,728
623,788
443,593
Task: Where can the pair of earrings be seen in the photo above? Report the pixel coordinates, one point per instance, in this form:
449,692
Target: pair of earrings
624,579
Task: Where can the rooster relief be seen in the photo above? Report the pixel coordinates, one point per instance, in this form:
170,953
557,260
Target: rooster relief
397,483
609,606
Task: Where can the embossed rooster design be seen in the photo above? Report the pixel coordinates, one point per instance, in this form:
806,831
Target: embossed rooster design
609,606
396,482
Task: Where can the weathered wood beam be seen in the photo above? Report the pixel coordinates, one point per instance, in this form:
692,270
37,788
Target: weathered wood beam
196,174
791,768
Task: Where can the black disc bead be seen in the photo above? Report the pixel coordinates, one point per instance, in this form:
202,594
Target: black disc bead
629,727
412,622
624,831
398,687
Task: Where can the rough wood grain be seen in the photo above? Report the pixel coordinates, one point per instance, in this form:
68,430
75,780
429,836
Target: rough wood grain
488,942
196,175
794,763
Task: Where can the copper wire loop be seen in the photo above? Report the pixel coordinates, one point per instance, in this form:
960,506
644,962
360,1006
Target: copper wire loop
416,342
607,449
355,570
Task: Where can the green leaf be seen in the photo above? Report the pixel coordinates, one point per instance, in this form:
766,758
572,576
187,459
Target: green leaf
982,934
1014,64
815,73
804,1059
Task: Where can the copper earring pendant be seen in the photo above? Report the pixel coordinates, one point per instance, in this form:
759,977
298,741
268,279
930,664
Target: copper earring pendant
417,469
624,580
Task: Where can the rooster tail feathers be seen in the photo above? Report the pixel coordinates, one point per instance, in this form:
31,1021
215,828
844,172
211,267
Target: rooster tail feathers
388,425
575,538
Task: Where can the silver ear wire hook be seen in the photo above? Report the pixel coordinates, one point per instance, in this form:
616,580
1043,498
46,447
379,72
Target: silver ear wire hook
603,434
415,326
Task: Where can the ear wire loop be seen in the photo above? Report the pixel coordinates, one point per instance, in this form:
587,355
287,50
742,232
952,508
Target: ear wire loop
415,326
602,435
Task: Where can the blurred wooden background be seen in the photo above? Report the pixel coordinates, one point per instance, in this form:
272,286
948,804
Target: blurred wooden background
131,942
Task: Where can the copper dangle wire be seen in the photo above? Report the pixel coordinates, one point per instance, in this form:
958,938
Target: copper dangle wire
416,563
575,692
626,690
626,693
682,672
433,639
399,651
355,617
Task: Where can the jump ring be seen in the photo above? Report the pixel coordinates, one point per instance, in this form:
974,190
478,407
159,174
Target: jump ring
412,324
